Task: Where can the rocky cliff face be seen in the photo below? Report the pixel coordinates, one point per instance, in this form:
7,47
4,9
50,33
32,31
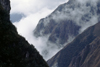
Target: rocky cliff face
68,19
83,51
6,5
15,51
89,56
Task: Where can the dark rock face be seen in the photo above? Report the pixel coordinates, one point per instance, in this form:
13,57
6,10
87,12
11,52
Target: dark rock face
68,19
83,51
89,56
15,51
42,30
62,31
6,5
79,60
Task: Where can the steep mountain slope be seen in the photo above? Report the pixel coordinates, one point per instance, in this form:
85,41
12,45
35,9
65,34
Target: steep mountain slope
15,51
90,55
83,51
68,19
6,5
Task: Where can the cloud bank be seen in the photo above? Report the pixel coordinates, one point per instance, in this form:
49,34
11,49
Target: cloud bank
83,13
33,11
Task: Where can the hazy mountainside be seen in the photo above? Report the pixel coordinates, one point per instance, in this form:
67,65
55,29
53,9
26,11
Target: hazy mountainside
83,51
15,51
68,20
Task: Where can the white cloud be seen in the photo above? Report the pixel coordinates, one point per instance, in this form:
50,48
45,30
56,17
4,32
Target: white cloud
84,13
28,23
81,15
32,6
34,10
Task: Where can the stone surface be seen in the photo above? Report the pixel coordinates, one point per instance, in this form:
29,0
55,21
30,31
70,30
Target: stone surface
69,19
83,51
6,5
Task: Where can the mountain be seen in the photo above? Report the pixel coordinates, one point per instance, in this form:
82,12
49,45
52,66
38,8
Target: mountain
68,20
15,51
83,51
6,5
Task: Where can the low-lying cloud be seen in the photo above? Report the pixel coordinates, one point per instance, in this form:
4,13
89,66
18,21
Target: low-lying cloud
47,50
33,11
83,13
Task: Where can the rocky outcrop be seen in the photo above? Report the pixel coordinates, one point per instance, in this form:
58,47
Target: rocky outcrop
83,51
63,31
6,5
68,19
15,51
89,56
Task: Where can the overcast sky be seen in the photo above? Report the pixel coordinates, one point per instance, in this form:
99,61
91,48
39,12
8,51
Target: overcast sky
33,11
33,6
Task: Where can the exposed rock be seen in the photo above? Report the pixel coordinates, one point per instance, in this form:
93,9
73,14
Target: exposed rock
89,56
83,51
69,19
63,31
6,5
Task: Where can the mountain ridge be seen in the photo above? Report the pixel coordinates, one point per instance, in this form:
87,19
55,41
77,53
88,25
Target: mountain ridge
81,15
76,53
14,49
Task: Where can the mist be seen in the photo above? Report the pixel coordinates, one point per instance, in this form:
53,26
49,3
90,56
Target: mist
45,48
33,11
80,13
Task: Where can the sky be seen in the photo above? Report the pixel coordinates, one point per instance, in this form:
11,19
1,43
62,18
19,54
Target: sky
32,11
25,15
